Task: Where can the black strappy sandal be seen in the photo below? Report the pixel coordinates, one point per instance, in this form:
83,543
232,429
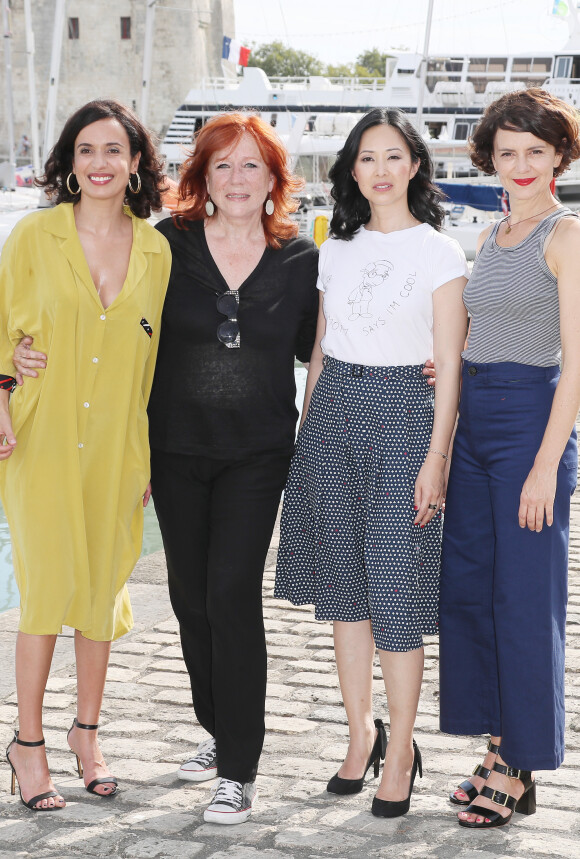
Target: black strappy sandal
96,781
526,804
467,787
31,804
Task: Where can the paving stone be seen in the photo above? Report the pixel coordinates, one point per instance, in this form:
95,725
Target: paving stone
330,843
277,707
60,684
161,820
308,678
160,848
131,646
8,713
157,638
138,662
289,726
173,696
167,678
126,726
118,674
170,625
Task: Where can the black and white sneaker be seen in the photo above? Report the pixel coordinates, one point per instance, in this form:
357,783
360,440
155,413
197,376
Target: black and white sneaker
231,803
203,766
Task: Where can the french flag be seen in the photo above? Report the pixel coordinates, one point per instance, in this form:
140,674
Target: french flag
235,52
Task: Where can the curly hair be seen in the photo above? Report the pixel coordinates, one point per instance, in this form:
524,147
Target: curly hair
351,208
224,132
60,160
536,111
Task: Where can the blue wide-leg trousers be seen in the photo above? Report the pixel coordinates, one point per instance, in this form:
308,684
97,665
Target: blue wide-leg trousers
504,588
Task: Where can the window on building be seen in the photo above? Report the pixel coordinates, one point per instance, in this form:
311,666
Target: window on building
73,28
125,28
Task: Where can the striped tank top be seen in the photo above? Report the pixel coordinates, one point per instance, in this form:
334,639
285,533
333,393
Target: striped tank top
512,297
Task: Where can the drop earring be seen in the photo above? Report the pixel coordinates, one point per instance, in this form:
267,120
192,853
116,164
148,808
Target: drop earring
209,207
269,206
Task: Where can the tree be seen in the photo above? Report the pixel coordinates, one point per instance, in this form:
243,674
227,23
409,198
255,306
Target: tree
278,60
371,63
343,70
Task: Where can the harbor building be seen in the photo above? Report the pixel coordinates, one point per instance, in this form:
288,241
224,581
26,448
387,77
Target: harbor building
102,56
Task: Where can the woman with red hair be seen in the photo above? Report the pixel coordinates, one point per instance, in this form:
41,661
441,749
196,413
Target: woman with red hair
241,304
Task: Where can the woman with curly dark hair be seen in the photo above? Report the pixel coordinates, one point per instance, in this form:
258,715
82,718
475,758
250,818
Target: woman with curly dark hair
505,546
361,523
86,280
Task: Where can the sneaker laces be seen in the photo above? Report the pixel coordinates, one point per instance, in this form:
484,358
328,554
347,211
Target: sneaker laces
205,752
228,792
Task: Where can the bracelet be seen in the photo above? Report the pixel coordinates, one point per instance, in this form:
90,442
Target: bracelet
440,452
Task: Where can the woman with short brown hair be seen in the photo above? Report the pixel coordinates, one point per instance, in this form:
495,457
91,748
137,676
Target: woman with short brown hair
505,545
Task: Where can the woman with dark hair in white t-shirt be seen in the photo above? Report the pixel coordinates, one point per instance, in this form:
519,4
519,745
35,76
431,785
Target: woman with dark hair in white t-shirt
361,525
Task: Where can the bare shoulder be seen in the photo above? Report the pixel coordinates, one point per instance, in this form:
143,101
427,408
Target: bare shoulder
566,230
563,247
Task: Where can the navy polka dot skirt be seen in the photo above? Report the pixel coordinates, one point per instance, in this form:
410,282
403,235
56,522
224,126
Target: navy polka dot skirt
347,541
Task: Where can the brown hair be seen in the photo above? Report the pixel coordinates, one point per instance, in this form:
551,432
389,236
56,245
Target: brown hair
225,131
60,160
535,110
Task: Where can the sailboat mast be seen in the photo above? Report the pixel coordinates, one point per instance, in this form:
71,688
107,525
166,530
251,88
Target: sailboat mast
8,72
147,59
57,34
423,73
32,88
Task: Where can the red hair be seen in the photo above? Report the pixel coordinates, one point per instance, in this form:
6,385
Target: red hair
223,132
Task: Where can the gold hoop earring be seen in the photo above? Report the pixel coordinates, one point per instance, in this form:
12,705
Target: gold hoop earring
131,189
70,190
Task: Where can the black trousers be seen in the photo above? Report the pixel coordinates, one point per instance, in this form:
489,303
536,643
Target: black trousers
216,519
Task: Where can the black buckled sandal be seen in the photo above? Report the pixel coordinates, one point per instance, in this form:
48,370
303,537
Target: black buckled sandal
467,787
526,804
31,804
96,781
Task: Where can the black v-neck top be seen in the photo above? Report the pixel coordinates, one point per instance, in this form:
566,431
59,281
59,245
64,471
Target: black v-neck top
230,403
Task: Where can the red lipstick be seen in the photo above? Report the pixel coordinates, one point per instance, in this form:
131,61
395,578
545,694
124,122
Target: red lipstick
524,181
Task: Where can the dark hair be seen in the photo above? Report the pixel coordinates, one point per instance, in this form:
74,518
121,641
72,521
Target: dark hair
60,160
351,209
224,132
533,110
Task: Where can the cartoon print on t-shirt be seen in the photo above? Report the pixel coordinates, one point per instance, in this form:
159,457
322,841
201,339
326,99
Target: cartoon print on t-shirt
373,274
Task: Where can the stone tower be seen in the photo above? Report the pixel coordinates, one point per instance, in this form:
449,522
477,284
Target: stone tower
102,56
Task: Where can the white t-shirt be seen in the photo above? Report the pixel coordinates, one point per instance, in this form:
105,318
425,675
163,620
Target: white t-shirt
378,293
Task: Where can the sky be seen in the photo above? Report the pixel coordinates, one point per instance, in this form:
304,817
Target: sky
336,31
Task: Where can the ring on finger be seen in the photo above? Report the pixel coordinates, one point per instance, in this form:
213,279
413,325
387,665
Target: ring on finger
432,507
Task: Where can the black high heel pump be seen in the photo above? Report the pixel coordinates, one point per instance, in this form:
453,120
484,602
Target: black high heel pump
96,781
345,786
386,808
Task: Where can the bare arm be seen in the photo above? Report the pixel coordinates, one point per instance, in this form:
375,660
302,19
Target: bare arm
7,437
315,365
539,490
449,324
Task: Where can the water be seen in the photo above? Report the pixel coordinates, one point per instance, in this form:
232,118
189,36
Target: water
151,536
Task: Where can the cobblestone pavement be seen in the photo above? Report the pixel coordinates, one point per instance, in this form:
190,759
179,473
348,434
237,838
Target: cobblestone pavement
147,730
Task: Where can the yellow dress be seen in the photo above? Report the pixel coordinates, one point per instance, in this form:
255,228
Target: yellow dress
72,489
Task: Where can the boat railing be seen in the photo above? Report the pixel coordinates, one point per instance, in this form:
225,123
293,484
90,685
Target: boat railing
300,82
